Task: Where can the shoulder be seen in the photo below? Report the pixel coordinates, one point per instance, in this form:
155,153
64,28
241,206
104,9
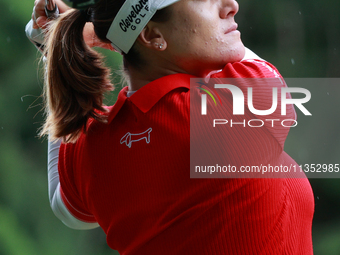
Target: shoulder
251,66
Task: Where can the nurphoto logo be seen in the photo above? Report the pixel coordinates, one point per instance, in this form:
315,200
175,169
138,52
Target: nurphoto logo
238,100
280,97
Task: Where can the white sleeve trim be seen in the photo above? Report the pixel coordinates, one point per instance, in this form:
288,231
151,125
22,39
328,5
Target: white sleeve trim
36,36
56,202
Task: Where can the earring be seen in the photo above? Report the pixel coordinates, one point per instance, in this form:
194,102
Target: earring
160,46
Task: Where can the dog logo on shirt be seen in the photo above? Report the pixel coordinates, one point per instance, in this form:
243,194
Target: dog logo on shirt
129,138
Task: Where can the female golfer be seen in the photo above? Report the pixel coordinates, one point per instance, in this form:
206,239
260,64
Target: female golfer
125,167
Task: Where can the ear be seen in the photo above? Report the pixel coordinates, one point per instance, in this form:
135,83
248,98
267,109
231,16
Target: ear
152,37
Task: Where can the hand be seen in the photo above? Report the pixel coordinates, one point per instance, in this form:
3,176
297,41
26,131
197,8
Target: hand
92,40
40,20
39,16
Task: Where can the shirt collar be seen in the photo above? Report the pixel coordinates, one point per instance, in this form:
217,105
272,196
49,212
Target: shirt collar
147,96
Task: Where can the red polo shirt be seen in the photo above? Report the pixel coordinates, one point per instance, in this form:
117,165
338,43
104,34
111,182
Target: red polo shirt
132,177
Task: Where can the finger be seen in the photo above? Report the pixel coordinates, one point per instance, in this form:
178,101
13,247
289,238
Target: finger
42,22
40,4
39,9
35,26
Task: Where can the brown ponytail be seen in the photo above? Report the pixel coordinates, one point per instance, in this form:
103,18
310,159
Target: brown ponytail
75,79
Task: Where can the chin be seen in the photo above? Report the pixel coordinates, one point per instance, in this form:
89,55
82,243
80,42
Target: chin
237,54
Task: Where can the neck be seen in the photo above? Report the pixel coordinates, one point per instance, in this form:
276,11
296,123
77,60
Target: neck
139,77
157,65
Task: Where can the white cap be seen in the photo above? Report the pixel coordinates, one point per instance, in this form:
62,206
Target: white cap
130,21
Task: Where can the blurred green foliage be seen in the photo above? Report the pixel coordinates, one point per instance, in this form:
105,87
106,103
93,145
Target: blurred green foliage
300,37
